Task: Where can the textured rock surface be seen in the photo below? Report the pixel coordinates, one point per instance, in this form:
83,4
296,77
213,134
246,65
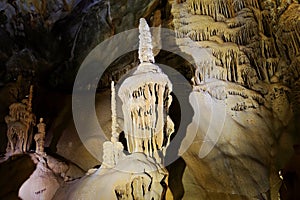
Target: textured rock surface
42,184
240,162
247,61
90,186
60,34
49,175
13,177
242,43
46,41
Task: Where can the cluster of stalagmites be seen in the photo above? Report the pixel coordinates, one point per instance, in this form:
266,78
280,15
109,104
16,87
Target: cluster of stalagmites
240,36
139,174
20,123
146,99
49,172
145,102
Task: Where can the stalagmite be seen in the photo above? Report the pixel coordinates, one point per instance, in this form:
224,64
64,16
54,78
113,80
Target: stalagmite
229,29
114,124
145,50
138,174
108,155
40,137
20,122
29,106
143,95
113,149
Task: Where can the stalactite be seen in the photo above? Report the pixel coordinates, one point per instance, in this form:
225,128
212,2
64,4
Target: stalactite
293,42
146,119
214,8
199,31
240,28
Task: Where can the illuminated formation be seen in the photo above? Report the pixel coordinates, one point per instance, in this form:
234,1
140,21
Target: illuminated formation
112,150
39,137
139,173
20,123
146,99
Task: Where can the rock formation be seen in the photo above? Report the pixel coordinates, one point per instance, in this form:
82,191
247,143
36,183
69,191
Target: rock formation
113,149
48,177
20,122
140,175
242,75
245,99
42,184
146,99
40,137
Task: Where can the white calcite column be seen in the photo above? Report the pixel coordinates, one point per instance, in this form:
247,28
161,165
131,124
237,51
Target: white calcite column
144,96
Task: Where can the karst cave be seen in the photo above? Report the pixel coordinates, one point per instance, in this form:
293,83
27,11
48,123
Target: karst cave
150,99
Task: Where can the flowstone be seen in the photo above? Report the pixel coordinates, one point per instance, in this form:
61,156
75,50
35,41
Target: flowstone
42,184
245,68
48,177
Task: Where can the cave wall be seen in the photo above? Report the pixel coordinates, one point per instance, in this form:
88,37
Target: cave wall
46,41
249,65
